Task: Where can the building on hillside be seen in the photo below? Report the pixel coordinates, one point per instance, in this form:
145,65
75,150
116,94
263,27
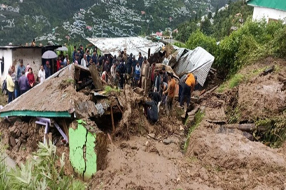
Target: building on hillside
32,55
270,10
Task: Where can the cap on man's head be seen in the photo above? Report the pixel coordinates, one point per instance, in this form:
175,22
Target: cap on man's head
163,69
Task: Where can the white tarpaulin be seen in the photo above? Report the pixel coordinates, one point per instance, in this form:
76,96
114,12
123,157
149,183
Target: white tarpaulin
197,61
133,45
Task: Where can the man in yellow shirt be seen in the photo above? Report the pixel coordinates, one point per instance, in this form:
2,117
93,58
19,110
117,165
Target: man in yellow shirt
188,88
10,86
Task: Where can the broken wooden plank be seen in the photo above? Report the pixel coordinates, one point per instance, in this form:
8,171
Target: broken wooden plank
194,111
249,127
209,91
112,119
95,76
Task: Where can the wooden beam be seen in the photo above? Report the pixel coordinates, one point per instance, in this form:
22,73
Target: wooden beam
95,77
112,119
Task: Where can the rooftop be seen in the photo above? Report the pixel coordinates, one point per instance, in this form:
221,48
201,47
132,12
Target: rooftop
273,4
55,97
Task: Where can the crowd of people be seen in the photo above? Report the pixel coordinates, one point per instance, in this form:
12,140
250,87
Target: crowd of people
124,69
117,70
20,81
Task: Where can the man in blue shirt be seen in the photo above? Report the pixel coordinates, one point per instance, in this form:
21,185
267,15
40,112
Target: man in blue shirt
20,68
23,83
47,68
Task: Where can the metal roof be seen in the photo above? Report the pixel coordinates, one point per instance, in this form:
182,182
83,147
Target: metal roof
133,45
29,47
197,61
272,4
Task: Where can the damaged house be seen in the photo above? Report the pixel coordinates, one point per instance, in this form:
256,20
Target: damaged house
68,107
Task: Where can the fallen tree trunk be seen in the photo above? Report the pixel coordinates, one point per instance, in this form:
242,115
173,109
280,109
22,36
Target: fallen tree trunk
208,92
249,127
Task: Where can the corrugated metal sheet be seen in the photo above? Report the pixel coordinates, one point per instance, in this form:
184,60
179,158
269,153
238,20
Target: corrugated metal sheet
197,61
133,45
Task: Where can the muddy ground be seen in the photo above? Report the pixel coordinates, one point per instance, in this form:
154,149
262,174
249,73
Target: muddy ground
216,157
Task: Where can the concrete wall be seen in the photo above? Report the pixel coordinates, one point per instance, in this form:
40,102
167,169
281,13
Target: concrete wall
7,54
261,13
31,56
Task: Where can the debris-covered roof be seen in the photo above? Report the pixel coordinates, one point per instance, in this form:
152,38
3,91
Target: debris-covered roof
55,97
273,4
133,45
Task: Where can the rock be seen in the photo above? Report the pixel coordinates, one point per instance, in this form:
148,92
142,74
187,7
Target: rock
9,162
151,135
167,141
124,145
12,141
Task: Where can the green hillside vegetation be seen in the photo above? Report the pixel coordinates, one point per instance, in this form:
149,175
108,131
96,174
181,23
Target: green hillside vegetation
233,49
52,14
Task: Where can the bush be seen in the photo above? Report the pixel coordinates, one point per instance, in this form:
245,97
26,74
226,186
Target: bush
199,39
249,43
41,172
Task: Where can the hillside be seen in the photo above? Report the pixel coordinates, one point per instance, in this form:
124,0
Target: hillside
61,21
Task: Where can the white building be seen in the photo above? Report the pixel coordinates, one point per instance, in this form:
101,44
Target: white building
268,9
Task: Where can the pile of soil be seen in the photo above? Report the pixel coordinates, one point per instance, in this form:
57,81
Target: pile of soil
150,156
216,157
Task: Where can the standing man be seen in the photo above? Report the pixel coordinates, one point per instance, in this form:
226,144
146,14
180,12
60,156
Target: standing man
121,70
47,69
171,93
145,75
23,84
83,61
41,74
140,59
20,68
157,82
152,74
10,86
188,88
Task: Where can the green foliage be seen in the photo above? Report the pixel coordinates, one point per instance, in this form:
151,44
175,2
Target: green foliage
179,44
274,130
41,172
233,114
198,118
249,43
279,42
109,89
235,80
199,39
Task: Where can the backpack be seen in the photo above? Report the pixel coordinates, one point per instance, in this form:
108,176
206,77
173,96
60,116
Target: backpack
4,87
137,74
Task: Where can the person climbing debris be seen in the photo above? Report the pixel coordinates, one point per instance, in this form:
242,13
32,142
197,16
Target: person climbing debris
188,88
170,93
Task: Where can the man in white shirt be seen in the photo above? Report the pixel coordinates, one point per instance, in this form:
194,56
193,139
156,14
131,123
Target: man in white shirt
41,74
83,61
